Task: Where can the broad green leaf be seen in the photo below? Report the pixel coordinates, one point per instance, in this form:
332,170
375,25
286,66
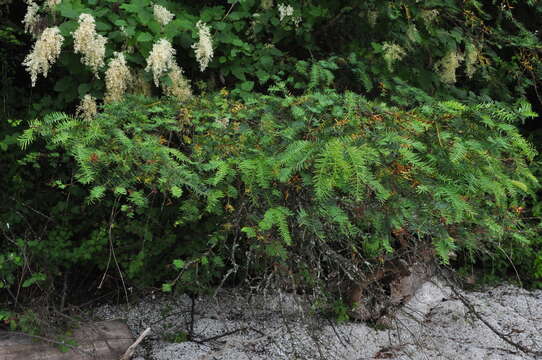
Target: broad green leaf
144,37
247,85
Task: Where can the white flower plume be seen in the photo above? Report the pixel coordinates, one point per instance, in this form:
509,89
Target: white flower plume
44,54
117,78
87,108
204,47
161,59
51,4
162,15
180,86
90,44
31,18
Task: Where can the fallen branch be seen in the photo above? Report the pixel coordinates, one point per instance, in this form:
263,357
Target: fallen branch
131,349
500,334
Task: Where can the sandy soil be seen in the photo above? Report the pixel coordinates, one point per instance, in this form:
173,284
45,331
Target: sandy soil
435,324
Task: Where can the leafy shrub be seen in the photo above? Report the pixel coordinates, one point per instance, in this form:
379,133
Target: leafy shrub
289,184
298,183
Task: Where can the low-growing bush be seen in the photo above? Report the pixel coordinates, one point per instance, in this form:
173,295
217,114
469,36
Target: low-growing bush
294,186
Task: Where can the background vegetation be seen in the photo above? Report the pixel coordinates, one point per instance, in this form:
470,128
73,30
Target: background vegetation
321,137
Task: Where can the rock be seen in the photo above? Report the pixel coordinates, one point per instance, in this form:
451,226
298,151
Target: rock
448,313
404,286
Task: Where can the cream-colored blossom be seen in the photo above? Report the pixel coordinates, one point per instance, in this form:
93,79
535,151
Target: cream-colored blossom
471,59
447,66
31,18
161,59
51,4
204,47
87,108
44,54
162,15
392,53
180,86
90,44
117,78
285,11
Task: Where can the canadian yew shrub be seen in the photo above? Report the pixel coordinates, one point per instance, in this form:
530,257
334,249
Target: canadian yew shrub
296,182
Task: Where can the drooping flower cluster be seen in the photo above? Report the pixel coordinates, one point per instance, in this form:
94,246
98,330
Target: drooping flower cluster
90,44
204,47
31,18
162,15
44,54
87,108
392,53
447,66
117,78
180,87
161,59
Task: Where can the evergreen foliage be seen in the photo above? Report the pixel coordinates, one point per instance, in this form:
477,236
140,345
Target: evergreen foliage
324,170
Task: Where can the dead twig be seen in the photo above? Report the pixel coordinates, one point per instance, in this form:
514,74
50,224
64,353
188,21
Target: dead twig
216,337
112,250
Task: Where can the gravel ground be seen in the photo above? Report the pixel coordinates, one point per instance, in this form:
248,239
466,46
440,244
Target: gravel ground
435,324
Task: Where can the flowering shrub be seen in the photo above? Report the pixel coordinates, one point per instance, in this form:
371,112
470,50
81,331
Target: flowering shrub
120,75
254,44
